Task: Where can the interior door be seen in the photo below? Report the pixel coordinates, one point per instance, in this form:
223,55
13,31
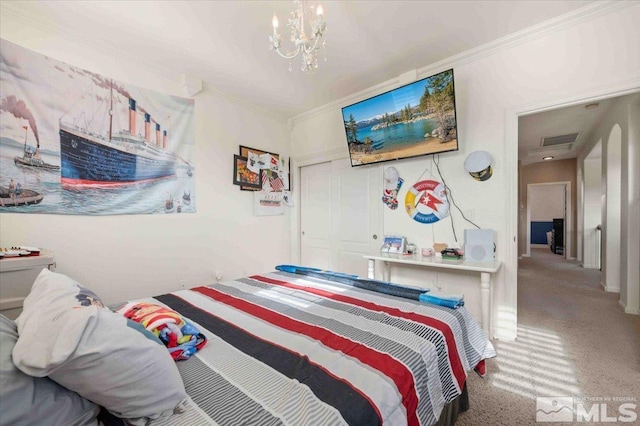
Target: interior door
315,216
340,215
357,215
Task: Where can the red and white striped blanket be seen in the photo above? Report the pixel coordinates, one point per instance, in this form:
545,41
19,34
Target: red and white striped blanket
295,350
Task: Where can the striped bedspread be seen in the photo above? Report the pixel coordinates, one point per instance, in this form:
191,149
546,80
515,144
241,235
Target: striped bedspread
286,349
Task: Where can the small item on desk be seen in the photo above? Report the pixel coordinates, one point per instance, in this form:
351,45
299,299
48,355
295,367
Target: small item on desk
394,244
452,253
411,248
14,252
438,247
426,251
34,251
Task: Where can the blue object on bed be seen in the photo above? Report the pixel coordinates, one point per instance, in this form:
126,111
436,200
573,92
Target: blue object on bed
367,284
442,299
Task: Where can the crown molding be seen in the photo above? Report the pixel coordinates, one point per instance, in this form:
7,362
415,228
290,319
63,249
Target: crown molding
558,23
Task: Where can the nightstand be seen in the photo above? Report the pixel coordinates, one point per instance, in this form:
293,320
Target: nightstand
17,275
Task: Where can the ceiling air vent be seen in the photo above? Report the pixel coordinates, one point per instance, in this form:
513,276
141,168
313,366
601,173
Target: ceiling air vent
559,140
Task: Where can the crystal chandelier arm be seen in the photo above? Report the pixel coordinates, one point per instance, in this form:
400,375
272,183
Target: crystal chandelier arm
288,55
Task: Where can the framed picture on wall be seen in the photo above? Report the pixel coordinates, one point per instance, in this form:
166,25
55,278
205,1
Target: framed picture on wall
269,177
243,176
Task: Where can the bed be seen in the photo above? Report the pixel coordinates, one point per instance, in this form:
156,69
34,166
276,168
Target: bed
289,349
281,348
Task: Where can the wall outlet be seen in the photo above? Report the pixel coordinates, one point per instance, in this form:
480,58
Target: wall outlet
183,284
218,276
470,214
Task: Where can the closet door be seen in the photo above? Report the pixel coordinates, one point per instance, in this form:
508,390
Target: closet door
357,215
340,215
315,216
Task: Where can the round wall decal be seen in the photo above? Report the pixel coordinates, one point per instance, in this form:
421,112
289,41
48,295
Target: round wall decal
426,201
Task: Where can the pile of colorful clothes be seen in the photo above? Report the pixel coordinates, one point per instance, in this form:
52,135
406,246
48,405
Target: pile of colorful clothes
179,336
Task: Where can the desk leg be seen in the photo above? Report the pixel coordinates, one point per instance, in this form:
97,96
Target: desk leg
485,294
371,270
387,272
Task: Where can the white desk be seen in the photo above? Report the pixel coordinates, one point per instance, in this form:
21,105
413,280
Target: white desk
485,269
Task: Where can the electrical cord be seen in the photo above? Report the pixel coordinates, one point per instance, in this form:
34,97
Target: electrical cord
449,195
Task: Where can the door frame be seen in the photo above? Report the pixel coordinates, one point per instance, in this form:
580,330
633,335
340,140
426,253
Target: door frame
567,234
512,114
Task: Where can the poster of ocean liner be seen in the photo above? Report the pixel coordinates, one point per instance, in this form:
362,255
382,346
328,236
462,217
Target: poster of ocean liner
76,142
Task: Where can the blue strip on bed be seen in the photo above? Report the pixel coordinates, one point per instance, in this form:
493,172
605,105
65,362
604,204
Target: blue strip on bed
441,299
354,280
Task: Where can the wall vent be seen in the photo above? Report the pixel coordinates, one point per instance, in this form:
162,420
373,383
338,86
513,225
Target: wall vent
559,140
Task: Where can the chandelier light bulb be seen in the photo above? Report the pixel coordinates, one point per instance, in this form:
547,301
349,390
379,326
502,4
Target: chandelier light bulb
274,22
319,11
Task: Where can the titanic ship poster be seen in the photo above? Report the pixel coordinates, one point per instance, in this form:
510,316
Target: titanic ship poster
76,142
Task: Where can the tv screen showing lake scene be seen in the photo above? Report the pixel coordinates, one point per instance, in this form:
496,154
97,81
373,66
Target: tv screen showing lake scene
412,120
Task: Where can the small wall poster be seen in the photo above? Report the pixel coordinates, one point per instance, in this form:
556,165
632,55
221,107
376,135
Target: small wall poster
268,203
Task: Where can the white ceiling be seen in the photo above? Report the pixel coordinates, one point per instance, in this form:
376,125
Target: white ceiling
226,44
558,122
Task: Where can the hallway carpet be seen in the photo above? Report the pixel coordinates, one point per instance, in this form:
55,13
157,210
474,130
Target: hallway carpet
574,340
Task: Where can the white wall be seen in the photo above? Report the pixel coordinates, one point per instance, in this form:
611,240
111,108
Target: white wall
546,202
611,156
622,121
556,65
592,214
630,289
631,198
124,257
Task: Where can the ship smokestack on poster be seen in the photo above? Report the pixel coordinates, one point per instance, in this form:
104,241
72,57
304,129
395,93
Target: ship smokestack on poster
164,140
158,135
132,117
147,126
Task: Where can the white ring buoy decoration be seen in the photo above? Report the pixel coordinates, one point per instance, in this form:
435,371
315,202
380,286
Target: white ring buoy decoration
426,201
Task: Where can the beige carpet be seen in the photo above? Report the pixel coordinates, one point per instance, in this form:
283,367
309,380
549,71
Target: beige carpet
573,340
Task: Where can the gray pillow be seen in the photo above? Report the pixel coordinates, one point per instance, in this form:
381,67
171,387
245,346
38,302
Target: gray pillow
26,400
67,334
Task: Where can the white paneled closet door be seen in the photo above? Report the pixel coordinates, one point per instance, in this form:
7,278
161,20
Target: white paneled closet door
315,215
341,215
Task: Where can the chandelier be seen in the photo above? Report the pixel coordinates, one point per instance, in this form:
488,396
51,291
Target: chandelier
308,46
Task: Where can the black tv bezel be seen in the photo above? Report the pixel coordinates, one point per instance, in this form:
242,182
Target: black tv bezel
455,113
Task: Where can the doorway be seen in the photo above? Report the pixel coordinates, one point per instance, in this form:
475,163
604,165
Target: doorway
546,203
508,329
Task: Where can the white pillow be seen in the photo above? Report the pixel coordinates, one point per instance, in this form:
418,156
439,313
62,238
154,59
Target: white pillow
26,400
67,334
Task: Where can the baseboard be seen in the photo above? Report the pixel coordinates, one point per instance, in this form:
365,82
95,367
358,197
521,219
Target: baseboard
589,266
628,310
611,289
540,246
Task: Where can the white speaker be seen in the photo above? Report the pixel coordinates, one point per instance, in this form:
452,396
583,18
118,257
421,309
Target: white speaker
478,245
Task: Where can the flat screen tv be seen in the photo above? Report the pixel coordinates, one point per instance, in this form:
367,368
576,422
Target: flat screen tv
410,121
